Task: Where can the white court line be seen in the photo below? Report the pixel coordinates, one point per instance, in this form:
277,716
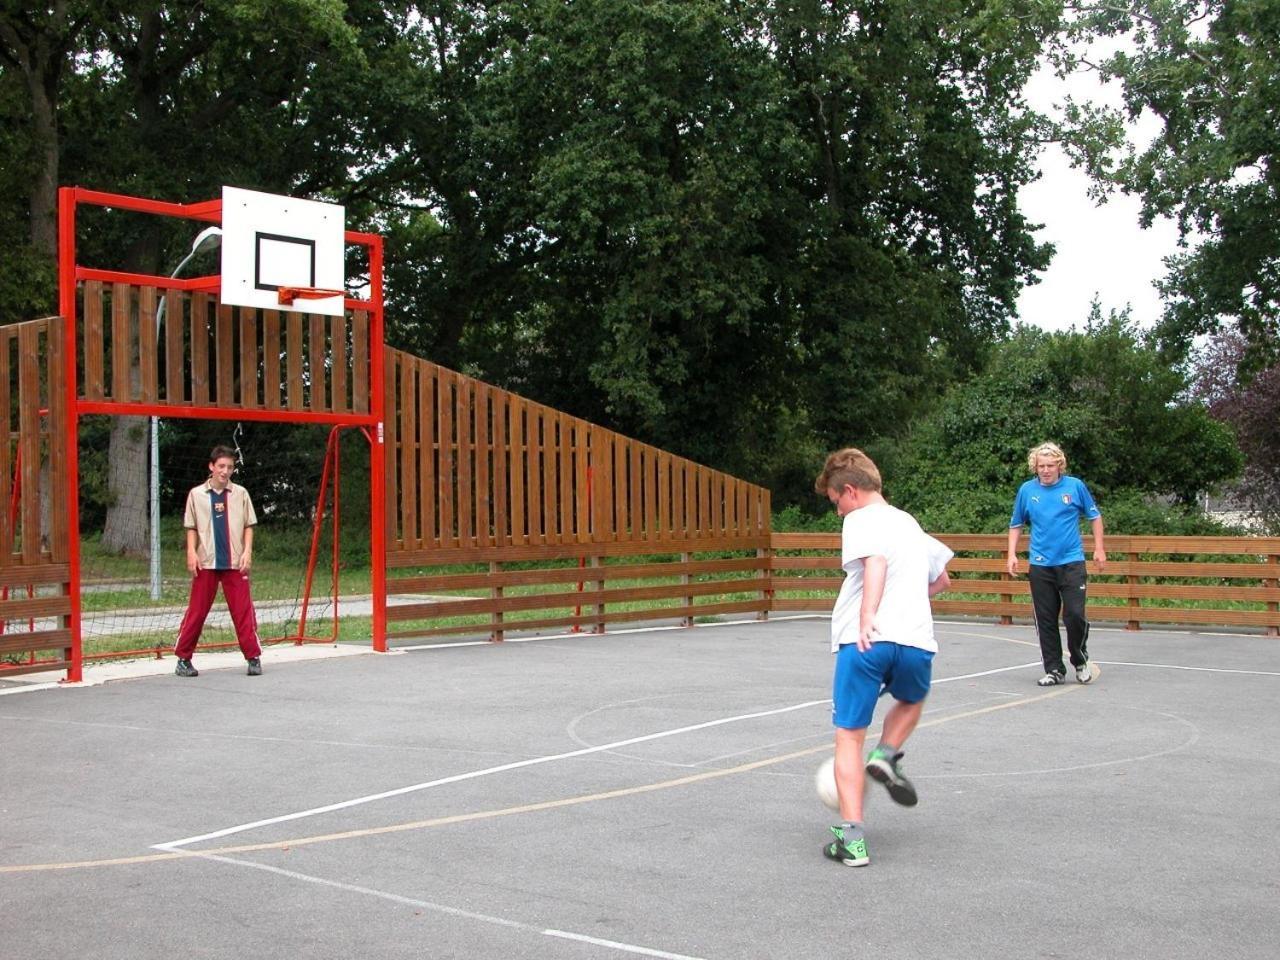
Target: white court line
447,910
488,771
171,845
1175,666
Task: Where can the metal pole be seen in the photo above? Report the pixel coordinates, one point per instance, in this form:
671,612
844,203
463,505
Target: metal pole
202,239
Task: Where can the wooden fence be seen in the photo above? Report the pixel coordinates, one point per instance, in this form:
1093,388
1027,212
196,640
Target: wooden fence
34,569
604,529
1221,581
150,345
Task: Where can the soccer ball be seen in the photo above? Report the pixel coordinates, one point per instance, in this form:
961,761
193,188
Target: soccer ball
824,781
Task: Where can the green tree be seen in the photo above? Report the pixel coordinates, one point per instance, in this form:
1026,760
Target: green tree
739,230
1105,395
1209,70
1251,407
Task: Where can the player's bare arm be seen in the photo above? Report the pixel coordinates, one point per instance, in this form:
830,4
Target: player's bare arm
873,574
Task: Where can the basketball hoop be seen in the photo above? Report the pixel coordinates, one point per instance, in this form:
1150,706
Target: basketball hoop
287,295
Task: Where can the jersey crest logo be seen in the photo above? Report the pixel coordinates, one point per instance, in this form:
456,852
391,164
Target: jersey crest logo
220,507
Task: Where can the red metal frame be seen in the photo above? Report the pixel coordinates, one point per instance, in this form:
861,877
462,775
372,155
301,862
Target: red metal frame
70,273
331,468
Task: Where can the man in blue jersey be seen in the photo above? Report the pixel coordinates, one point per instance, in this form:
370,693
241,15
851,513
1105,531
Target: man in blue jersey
1053,504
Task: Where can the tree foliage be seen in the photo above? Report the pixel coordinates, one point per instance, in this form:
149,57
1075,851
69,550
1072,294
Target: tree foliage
1104,395
1251,407
1209,70
699,221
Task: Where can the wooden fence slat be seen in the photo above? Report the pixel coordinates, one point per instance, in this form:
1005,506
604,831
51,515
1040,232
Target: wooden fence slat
317,361
635,481
29,439
501,465
483,449
409,441
444,433
94,373
200,349
519,468
271,359
339,402
650,493
558,493
224,357
249,371
360,375
148,356
619,445
428,422
393,364
173,329
294,361
534,434
579,433
664,495
466,489
121,341
557,480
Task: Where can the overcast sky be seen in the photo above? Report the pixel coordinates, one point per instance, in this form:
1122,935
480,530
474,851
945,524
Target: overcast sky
1100,249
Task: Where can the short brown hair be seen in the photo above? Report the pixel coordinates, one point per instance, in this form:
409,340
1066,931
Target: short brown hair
220,451
848,466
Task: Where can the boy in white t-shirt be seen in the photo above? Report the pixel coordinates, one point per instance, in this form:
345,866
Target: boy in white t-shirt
882,636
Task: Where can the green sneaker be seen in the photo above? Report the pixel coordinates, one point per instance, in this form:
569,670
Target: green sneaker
852,853
883,766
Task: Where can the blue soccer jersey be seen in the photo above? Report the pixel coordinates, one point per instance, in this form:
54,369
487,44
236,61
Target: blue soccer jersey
1054,513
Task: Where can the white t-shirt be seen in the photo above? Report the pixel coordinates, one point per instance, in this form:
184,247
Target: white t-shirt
913,560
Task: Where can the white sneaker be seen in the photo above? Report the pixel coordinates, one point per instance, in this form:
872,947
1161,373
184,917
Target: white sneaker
1084,672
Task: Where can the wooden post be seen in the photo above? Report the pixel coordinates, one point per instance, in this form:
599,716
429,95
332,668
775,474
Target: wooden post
1134,603
495,592
1006,620
765,574
685,580
598,564
1273,608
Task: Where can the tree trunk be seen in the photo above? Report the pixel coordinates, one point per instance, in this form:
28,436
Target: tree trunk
126,527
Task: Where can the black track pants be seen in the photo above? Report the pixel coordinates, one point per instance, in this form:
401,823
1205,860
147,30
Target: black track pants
1057,590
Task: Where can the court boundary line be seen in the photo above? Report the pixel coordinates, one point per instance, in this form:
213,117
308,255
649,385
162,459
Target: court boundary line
447,910
521,764
719,772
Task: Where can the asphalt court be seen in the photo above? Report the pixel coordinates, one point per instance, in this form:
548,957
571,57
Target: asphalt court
645,793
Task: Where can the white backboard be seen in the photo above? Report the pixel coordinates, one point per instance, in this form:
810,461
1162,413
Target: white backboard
270,241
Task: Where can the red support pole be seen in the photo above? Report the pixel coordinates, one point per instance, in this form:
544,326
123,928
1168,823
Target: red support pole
377,454
315,536
337,476
67,198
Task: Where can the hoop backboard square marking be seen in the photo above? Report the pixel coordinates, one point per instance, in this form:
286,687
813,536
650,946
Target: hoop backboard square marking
270,241
283,262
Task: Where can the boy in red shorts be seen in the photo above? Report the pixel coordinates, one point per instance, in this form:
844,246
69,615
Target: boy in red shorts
219,519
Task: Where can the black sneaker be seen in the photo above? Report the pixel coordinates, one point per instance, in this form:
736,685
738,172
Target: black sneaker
883,766
186,669
255,667
852,853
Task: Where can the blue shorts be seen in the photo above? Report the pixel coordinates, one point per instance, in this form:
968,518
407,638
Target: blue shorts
860,678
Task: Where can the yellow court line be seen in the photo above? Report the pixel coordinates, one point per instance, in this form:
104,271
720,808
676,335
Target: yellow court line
504,811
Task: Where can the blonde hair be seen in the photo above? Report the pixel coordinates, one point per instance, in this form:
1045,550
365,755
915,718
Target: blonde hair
848,466
1047,450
